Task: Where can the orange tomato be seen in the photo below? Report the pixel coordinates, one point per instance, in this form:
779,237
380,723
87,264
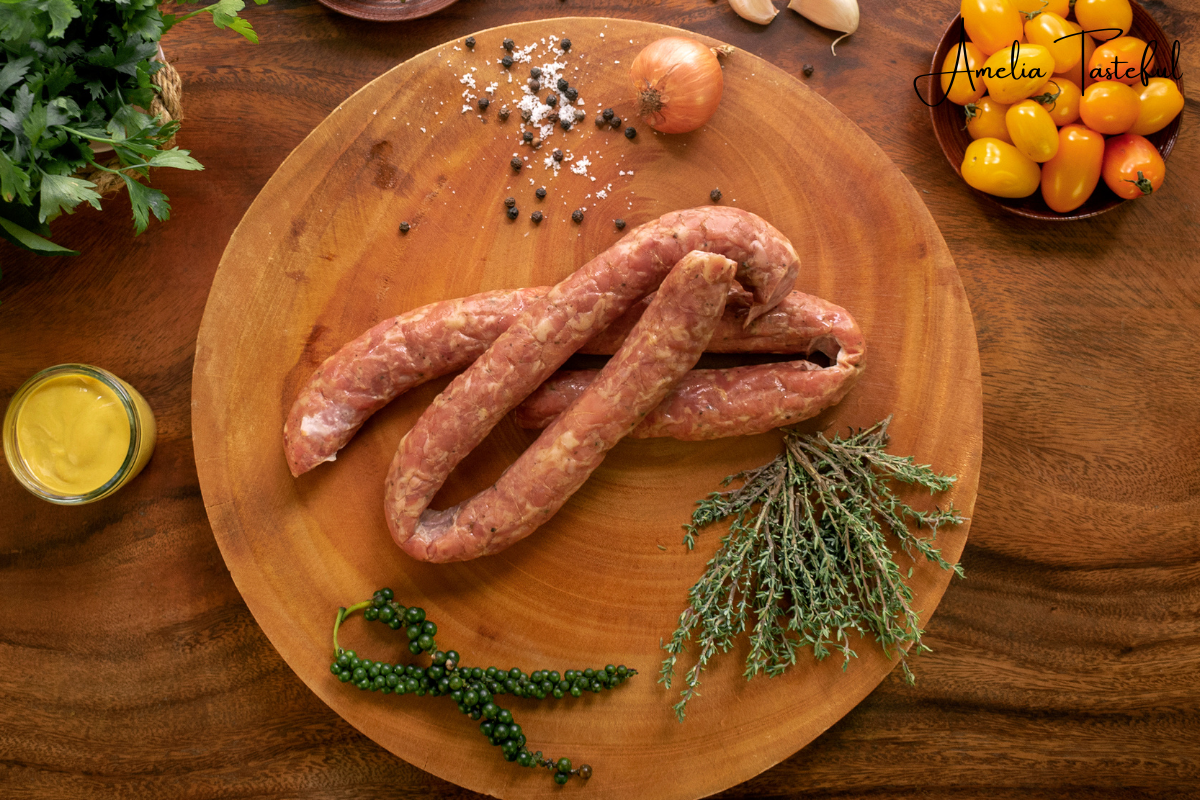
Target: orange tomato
1032,131
961,86
1048,30
1109,107
1132,166
1061,100
1007,84
1120,60
1086,46
1069,178
1161,103
1098,15
985,120
998,168
991,24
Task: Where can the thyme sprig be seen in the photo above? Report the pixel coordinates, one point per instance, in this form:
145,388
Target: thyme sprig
806,561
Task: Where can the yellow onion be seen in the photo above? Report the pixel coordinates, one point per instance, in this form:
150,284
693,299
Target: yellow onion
677,84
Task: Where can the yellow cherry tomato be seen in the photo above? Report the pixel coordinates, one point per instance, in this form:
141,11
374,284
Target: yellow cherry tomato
1018,71
1121,60
1132,166
958,74
1000,169
1099,15
1085,45
991,24
1069,178
1027,8
1109,107
985,119
1056,35
1032,130
1161,103
1061,100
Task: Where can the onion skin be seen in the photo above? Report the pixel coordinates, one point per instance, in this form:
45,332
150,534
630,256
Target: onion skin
677,84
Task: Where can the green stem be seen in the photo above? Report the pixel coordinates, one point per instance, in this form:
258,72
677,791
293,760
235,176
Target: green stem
341,616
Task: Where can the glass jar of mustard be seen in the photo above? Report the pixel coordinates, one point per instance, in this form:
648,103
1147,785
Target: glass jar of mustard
76,433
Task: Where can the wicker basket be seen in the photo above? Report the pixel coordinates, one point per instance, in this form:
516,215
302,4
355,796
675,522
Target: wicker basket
168,104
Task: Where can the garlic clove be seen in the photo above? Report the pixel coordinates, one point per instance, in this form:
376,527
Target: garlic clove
837,15
760,11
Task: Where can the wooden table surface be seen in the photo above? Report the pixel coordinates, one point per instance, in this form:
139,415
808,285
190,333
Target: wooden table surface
1066,664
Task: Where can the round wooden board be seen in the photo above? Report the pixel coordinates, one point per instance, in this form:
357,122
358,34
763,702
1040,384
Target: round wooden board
318,259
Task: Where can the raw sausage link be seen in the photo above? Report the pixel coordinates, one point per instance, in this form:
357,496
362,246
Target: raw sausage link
715,403
664,345
553,328
434,340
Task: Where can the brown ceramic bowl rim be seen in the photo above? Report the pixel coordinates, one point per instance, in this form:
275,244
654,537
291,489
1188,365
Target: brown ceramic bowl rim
1018,206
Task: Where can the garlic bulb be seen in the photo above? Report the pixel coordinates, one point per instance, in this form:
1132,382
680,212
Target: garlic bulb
760,11
837,15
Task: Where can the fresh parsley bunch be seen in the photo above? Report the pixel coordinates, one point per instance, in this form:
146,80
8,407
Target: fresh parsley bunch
76,73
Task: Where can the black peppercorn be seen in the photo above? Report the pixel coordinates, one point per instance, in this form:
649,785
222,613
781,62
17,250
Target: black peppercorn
565,44
534,85
526,114
506,61
572,93
558,155
513,213
579,115
509,202
536,216
615,122
562,84
715,194
577,215
516,163
404,226
541,193
565,124
808,70
600,121
527,137
607,114
620,223
631,133
508,45
503,113
470,42
551,99
484,103
536,72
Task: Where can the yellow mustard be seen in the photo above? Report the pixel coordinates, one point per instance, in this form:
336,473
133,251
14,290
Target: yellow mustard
73,433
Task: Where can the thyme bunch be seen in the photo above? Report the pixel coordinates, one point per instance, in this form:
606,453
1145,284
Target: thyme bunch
806,561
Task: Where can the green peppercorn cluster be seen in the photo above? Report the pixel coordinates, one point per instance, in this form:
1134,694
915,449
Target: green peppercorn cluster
474,689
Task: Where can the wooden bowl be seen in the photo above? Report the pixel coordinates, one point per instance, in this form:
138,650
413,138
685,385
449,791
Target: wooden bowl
948,125
387,10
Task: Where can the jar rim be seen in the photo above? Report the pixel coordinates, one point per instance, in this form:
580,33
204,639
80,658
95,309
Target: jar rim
16,461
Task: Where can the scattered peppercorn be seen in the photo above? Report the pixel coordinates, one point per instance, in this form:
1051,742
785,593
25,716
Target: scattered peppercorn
534,85
808,70
607,114
513,213
620,223
577,215
527,136
565,44
536,72
551,99
537,143
631,133
470,42
504,112
562,84
615,122
572,93
579,115
536,217
404,226
566,126
541,193
600,121
558,155
516,163
508,45
507,62
509,202
526,114
715,194
484,103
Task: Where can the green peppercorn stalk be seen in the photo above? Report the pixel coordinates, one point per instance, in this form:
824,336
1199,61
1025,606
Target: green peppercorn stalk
474,689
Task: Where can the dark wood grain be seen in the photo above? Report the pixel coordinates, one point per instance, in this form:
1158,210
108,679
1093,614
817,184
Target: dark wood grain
1067,664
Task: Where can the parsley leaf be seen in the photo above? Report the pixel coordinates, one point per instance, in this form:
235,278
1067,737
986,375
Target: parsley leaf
62,193
145,200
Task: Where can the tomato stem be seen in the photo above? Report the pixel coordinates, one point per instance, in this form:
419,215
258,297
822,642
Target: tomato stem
1142,183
